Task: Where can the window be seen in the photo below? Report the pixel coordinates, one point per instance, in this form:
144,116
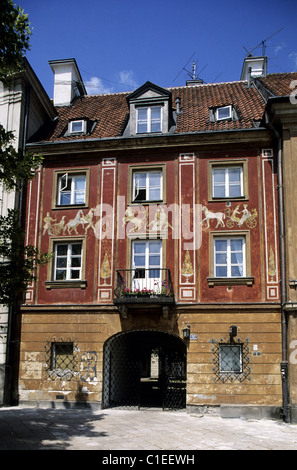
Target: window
71,189
225,112
227,182
149,119
62,356
230,358
68,261
77,127
147,186
229,257
146,264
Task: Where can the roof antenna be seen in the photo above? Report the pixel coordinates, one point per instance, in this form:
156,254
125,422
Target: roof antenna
262,43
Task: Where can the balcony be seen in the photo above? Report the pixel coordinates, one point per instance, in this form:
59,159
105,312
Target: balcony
144,286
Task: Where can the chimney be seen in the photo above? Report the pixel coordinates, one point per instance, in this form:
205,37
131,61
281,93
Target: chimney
254,67
68,83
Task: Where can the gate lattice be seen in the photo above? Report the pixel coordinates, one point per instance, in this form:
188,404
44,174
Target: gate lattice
128,378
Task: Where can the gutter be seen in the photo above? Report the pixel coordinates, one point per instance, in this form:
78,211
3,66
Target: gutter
284,363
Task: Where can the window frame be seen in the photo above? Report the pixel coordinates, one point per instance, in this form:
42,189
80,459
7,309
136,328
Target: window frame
58,174
83,127
228,253
147,282
52,282
226,165
238,346
69,257
247,279
148,121
133,169
220,108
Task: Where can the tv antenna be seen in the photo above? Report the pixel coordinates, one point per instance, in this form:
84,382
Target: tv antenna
192,74
263,44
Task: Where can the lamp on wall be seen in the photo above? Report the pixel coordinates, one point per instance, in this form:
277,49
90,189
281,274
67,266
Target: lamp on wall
232,332
186,332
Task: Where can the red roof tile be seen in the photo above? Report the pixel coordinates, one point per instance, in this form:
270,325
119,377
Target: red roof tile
110,111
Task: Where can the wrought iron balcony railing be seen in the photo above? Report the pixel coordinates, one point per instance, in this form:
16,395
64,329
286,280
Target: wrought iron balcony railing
144,285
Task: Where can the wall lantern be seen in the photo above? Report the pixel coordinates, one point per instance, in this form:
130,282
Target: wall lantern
232,332
186,332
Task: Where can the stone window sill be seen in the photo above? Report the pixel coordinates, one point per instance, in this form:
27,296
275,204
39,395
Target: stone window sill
230,281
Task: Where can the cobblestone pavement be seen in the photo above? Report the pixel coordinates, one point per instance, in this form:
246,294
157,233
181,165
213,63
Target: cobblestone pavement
23,428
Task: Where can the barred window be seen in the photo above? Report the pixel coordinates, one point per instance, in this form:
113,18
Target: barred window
62,357
230,358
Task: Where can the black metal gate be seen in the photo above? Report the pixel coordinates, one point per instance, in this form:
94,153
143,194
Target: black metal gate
144,369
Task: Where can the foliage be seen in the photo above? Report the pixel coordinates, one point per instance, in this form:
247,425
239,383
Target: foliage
15,165
18,262
14,38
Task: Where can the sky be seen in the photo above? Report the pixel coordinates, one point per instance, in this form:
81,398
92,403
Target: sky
119,45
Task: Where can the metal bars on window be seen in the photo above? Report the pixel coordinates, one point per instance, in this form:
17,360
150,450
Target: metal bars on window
230,360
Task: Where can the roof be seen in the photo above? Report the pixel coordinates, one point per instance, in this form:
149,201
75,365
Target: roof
109,112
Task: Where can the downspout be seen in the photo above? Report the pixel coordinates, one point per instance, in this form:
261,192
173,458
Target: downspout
283,273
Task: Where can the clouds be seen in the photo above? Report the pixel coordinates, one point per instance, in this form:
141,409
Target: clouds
124,81
293,58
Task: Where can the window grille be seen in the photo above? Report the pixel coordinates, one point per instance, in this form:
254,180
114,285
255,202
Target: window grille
61,358
231,360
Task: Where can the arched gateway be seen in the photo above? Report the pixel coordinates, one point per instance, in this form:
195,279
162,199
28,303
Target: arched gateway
144,368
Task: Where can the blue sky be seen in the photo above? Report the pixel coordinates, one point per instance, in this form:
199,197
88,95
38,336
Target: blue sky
119,45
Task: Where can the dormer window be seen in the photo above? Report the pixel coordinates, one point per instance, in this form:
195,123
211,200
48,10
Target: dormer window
224,112
77,127
149,119
150,111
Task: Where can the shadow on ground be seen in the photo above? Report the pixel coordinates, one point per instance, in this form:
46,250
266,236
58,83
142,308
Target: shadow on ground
46,428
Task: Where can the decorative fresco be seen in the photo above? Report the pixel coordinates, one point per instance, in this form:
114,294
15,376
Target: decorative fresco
230,218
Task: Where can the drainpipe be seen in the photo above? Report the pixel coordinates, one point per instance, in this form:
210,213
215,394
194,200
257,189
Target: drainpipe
284,362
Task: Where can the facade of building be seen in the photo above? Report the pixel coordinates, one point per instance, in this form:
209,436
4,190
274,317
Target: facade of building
24,108
161,209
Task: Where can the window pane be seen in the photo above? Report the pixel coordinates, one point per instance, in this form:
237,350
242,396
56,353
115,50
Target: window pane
76,262
154,260
155,247
139,247
61,250
79,189
230,358
234,175
77,126
61,262
221,245
235,190
224,113
139,260
221,271
75,274
60,274
76,249
219,175
236,271
221,258
236,245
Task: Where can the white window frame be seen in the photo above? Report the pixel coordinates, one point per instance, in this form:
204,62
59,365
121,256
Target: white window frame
223,108
83,127
229,264
146,282
62,185
148,186
227,184
68,269
148,121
